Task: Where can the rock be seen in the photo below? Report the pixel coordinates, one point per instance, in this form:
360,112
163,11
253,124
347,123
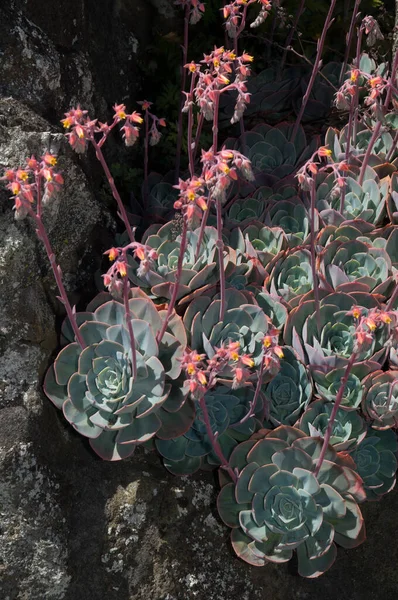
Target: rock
73,52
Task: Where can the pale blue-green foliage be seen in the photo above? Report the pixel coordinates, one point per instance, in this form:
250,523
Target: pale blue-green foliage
226,408
376,463
288,394
198,273
380,401
243,322
96,389
278,505
348,430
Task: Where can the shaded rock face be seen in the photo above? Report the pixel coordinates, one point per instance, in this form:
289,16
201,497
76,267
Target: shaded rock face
56,54
71,526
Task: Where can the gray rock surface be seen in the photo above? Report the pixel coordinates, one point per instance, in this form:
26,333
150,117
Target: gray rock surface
73,527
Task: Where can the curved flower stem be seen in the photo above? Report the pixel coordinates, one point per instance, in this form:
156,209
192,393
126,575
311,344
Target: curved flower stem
127,316
313,259
213,437
336,406
38,179
290,37
176,285
43,237
112,185
321,43
393,147
183,84
349,40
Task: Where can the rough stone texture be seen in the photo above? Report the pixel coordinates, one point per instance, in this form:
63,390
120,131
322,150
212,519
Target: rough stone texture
56,54
71,526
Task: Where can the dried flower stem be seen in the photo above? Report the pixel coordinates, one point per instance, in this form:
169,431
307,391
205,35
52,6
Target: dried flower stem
183,85
290,36
317,64
349,40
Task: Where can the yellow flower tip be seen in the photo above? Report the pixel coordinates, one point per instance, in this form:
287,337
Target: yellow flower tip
202,378
235,356
267,341
356,313
191,196
279,352
140,253
191,369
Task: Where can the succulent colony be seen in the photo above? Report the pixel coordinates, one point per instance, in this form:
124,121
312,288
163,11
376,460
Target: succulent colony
256,332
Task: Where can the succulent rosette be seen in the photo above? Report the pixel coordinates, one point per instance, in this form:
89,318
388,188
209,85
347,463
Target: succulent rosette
288,394
349,429
337,327
278,505
328,376
199,270
354,263
96,389
261,244
380,402
272,307
270,150
291,278
226,409
366,201
291,216
376,463
392,199
243,322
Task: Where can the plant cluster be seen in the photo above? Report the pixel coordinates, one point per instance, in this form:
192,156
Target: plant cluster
257,331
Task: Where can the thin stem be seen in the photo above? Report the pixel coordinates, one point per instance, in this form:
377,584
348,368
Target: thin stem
375,135
127,316
393,147
213,438
183,84
198,134
191,148
202,232
176,285
220,248
315,278
290,36
42,235
356,96
112,185
321,43
38,178
146,160
336,406
349,40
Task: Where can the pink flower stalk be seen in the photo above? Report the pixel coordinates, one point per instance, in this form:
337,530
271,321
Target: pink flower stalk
27,185
235,15
195,8
222,65
113,277
83,130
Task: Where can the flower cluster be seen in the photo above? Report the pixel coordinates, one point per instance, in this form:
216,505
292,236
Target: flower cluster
196,9
25,184
191,200
220,170
235,15
220,66
202,372
153,132
113,279
81,128
368,323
